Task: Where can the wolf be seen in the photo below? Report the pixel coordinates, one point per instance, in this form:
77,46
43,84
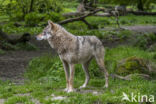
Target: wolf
74,50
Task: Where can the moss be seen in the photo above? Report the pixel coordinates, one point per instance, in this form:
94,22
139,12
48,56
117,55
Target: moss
132,65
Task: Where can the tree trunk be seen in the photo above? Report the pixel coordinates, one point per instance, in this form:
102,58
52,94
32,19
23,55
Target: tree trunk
140,5
31,6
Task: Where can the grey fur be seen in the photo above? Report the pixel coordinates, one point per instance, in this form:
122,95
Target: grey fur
73,50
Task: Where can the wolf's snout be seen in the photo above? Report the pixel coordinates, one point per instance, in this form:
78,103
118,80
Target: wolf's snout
38,38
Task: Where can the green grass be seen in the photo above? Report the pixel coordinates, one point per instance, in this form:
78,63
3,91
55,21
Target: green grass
2,52
47,77
45,74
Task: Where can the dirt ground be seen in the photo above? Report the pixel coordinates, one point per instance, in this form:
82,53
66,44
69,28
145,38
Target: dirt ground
13,64
141,28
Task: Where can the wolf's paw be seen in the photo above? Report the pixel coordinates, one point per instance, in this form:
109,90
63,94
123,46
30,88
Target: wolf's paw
71,90
106,86
83,86
66,90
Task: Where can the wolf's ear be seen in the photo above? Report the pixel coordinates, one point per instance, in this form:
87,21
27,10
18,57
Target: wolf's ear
51,24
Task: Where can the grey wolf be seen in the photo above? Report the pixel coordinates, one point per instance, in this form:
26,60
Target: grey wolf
73,50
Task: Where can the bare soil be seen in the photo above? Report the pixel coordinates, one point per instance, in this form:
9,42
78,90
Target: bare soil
143,29
13,64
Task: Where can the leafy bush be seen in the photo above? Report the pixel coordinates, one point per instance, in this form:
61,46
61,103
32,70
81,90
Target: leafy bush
17,16
32,19
54,16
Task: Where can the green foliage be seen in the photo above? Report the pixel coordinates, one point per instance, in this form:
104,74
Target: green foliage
40,67
145,40
54,16
34,18
145,3
17,10
43,6
17,17
10,29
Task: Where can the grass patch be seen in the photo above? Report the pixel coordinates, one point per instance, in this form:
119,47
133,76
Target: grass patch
2,51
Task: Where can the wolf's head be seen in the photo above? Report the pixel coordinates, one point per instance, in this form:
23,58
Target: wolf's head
48,31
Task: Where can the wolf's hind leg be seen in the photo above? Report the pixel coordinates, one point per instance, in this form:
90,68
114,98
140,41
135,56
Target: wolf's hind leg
85,68
100,62
66,70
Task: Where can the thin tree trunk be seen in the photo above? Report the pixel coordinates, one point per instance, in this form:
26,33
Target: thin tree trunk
31,6
140,6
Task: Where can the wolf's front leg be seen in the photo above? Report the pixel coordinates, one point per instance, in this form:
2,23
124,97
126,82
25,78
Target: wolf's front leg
66,70
72,70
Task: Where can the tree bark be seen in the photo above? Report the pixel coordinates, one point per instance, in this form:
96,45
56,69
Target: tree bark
140,5
31,6
81,17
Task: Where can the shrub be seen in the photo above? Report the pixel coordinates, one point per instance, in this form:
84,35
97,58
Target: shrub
32,19
55,17
17,17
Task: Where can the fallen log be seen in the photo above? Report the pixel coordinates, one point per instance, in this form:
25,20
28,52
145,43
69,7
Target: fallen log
76,14
81,18
129,77
142,13
71,14
4,38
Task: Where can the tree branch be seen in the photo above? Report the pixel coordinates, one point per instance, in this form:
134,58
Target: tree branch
79,18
